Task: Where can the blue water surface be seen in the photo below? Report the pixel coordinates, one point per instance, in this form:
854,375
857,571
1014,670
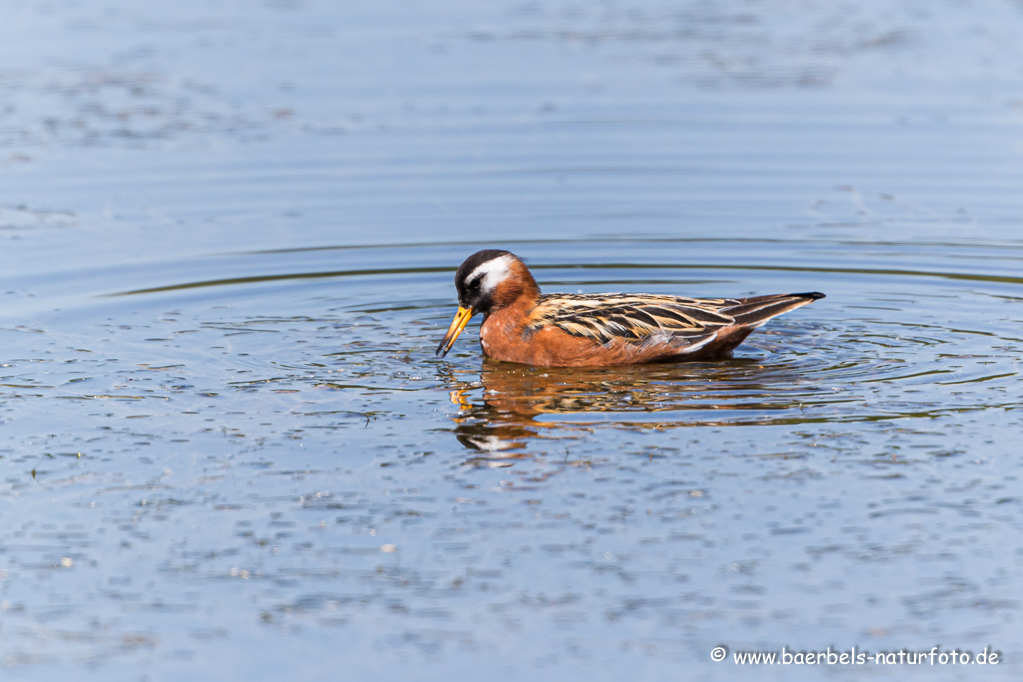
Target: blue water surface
228,232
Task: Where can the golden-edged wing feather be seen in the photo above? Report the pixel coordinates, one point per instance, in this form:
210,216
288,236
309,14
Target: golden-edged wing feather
687,324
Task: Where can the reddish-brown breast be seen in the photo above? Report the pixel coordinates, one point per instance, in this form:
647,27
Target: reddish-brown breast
505,335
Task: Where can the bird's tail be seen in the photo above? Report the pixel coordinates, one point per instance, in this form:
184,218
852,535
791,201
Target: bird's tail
755,311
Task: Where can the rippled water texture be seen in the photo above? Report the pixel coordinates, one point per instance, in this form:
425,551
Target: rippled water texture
228,233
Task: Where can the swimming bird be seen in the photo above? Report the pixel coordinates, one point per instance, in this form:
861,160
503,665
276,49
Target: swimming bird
594,330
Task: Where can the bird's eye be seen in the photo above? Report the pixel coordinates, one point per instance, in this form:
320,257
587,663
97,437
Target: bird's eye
474,285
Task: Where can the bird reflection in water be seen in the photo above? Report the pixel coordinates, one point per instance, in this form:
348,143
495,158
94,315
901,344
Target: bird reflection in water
512,409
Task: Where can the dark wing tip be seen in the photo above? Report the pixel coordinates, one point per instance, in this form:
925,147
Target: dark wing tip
812,295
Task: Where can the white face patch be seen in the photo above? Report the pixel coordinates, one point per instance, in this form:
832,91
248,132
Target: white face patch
491,273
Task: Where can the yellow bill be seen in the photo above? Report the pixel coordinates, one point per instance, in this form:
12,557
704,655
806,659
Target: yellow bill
457,325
